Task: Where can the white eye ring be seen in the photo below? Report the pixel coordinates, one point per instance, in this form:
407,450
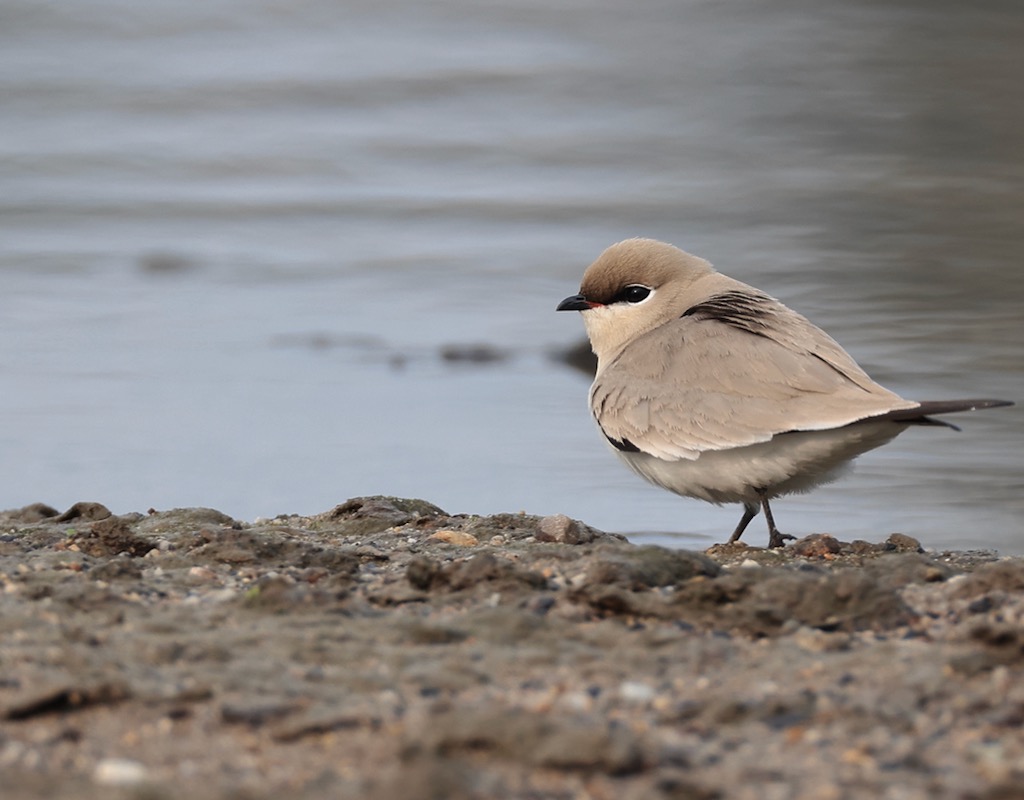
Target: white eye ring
635,293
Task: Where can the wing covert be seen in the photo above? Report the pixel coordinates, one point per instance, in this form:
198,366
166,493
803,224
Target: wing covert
700,383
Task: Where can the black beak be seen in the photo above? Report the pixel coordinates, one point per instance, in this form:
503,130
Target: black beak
575,303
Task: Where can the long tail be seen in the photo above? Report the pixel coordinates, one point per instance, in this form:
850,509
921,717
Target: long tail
922,415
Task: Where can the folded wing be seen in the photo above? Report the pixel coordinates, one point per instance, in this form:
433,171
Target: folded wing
734,370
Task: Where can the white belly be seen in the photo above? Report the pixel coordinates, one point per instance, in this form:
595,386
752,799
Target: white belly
790,462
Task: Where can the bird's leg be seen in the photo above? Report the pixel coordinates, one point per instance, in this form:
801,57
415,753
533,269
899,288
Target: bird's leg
749,512
775,538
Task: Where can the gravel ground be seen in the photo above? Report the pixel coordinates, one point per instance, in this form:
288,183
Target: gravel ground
385,649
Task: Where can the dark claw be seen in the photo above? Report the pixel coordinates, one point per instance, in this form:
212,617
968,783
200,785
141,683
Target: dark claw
777,540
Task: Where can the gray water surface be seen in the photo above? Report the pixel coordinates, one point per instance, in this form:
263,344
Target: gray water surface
235,238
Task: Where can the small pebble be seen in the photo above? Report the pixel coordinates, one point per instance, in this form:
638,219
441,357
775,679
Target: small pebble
904,543
560,528
636,692
119,772
460,538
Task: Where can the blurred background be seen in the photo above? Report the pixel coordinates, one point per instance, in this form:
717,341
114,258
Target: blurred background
266,256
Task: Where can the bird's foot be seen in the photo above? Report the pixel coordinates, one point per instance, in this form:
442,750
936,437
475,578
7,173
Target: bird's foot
777,540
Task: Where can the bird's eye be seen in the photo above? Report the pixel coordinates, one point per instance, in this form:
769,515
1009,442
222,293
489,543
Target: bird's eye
635,293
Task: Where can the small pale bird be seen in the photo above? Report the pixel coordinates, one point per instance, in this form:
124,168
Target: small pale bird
712,389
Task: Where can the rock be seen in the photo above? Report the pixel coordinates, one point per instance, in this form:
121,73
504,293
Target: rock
817,545
562,529
36,512
84,511
904,544
636,692
183,519
460,538
119,772
362,516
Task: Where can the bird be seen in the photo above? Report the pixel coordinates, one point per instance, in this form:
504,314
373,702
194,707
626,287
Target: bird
714,390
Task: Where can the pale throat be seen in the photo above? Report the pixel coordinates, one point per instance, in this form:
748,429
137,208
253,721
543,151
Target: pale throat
609,329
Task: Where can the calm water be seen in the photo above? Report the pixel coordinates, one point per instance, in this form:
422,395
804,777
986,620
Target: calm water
235,238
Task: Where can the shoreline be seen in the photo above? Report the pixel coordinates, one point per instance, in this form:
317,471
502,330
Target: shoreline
385,648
